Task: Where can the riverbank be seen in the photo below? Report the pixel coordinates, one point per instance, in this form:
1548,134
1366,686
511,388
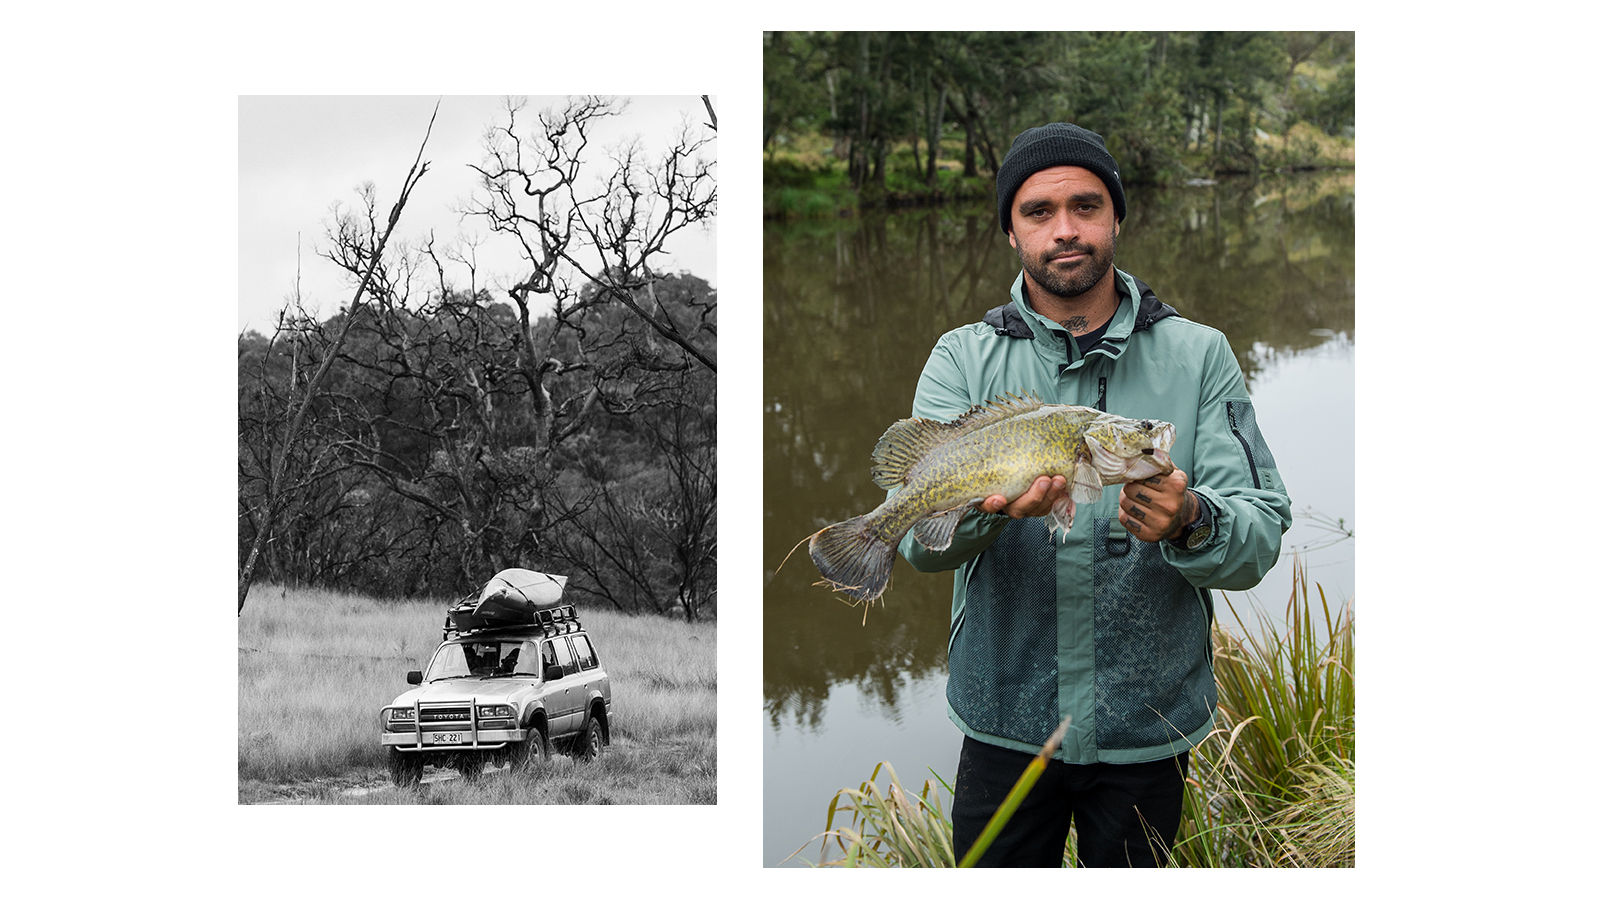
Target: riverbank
803,179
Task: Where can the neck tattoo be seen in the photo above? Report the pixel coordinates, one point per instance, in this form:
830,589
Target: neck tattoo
1076,324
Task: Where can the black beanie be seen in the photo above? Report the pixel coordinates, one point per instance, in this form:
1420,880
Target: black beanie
1056,144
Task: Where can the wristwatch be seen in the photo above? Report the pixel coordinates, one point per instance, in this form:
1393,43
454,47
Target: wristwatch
1194,535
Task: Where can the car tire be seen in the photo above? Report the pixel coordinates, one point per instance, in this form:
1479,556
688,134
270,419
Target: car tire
591,743
405,768
529,756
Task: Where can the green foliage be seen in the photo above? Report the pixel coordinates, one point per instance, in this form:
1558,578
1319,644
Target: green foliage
1171,105
1333,108
1274,785
889,828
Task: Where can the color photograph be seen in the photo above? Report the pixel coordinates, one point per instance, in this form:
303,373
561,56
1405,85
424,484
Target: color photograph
1082,305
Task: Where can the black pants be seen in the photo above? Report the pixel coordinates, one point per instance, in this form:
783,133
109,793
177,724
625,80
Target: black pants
1127,813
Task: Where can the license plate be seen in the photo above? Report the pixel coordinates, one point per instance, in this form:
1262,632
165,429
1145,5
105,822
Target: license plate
445,737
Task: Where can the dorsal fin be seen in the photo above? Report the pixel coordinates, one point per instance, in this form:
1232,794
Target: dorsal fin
909,440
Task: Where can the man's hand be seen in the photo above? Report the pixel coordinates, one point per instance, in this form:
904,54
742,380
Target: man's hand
1158,506
1036,501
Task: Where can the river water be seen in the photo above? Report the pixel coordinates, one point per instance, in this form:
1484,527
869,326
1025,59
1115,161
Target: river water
851,309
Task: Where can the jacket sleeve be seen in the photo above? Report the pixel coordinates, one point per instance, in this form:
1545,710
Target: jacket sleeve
943,394
1234,472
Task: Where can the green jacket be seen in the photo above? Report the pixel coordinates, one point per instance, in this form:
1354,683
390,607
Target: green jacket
1103,627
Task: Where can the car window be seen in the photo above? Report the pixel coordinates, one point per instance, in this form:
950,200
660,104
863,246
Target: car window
527,659
482,658
449,662
586,660
564,654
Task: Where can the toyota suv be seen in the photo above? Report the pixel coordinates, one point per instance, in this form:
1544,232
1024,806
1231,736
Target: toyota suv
501,695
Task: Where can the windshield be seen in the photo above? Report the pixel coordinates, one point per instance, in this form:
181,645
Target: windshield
474,659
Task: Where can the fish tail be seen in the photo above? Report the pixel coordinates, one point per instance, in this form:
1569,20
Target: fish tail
852,559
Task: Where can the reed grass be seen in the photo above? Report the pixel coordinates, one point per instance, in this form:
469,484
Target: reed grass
889,827
1273,785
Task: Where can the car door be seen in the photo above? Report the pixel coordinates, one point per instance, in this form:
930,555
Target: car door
563,708
588,670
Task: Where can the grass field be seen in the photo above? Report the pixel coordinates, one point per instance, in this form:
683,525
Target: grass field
316,666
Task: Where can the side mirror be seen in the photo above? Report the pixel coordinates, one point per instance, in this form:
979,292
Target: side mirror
413,677
554,672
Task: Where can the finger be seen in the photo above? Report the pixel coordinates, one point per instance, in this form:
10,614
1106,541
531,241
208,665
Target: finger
1029,501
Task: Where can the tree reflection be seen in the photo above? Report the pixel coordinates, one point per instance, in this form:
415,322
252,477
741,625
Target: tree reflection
852,308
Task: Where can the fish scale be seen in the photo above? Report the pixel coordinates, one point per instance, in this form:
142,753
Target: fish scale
939,470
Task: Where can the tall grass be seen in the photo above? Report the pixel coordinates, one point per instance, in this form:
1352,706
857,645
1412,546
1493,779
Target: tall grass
316,666
1273,786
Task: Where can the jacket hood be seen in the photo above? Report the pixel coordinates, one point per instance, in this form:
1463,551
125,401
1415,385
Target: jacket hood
1017,320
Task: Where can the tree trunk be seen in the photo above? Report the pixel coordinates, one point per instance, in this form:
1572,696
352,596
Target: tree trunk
936,135
273,499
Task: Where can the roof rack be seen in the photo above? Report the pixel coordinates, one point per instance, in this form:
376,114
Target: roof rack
557,620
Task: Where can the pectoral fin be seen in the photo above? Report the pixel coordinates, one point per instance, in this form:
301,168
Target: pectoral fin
936,531
1086,483
1062,513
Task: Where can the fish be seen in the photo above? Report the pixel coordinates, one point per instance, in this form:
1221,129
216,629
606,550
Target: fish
940,470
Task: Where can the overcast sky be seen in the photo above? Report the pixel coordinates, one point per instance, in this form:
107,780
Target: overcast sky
299,155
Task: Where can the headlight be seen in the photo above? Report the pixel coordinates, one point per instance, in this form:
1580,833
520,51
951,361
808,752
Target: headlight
402,714
494,712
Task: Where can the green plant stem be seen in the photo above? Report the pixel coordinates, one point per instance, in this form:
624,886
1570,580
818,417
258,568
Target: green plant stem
1014,799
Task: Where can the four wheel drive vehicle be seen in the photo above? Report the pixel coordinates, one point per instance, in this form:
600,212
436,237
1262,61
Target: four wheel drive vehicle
504,694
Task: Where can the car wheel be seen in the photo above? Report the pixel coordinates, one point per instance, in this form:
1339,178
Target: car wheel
405,768
529,755
469,765
588,748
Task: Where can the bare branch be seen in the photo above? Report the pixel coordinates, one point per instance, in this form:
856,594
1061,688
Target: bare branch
418,169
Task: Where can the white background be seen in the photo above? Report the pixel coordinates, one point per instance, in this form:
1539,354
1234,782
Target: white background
1473,438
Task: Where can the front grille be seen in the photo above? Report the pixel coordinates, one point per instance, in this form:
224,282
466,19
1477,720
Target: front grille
446,714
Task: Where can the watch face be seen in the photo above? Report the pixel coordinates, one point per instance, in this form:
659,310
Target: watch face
1199,536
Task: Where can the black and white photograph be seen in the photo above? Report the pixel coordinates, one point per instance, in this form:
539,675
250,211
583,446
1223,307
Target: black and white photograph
477,450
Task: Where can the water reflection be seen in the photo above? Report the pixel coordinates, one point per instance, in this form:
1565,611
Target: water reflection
852,308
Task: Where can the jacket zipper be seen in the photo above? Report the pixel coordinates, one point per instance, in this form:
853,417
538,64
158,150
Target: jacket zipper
1233,426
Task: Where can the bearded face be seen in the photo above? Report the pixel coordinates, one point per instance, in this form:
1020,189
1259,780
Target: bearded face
1064,229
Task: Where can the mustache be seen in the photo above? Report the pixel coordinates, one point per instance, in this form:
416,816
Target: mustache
1070,247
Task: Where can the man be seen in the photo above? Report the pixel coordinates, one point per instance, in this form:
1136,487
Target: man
1110,626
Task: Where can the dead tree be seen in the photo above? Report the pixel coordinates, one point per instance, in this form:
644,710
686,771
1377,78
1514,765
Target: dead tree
373,251
535,193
